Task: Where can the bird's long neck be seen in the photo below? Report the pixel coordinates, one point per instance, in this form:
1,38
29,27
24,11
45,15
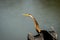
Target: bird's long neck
36,24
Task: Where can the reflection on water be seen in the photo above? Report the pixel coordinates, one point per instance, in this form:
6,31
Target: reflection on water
14,26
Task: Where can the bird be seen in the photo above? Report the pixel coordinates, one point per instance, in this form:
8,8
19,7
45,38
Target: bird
42,34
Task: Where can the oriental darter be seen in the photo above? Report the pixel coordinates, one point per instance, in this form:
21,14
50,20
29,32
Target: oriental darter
42,34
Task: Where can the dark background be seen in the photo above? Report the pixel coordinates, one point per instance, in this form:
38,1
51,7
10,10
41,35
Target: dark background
15,26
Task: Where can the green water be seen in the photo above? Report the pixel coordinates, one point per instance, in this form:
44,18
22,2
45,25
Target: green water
15,26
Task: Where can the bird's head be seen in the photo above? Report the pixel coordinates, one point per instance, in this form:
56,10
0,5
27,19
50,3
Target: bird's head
29,15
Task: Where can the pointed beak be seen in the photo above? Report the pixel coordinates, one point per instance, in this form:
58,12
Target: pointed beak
26,14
